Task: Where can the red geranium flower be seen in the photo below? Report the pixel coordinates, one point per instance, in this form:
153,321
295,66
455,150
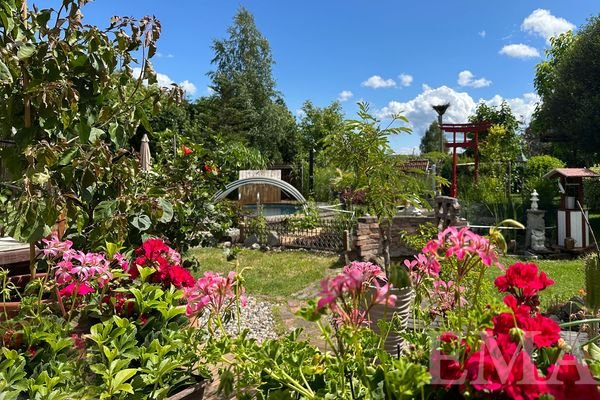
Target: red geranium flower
180,277
186,150
82,290
569,379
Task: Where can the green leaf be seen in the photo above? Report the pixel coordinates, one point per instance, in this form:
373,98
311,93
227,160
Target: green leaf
5,76
105,210
594,351
68,156
117,134
112,249
167,210
125,387
95,134
123,375
84,131
140,114
25,51
141,222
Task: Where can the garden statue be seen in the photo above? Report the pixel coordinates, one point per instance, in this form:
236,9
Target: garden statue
538,240
536,226
534,200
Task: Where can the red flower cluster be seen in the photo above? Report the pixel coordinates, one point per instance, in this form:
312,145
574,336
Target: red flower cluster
503,365
186,151
211,169
523,281
166,261
123,305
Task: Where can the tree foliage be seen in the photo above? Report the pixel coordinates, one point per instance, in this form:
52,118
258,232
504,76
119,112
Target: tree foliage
318,122
430,142
366,161
534,171
245,105
567,82
71,103
505,142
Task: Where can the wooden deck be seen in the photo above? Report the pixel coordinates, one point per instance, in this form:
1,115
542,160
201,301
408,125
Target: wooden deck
13,253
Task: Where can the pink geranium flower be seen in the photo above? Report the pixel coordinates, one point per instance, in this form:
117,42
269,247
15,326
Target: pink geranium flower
213,292
54,247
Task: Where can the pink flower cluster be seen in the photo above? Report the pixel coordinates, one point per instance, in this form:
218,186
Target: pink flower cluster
504,364
347,294
215,293
457,252
77,272
54,247
165,260
444,297
461,244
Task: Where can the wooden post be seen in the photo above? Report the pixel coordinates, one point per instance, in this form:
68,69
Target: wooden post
27,123
454,191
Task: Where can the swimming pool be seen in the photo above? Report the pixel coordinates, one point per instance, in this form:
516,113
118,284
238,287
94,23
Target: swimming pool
270,210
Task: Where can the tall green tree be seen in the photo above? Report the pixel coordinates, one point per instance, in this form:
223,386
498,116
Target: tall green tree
318,122
432,138
569,87
245,105
503,118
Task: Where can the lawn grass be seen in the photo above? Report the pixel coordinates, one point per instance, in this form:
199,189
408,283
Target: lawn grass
271,273
282,274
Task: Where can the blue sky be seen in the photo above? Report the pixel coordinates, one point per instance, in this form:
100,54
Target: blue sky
396,55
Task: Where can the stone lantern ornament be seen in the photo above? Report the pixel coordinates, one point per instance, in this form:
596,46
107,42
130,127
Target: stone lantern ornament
536,226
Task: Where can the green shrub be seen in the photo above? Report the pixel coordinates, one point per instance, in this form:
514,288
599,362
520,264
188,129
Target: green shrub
591,190
535,168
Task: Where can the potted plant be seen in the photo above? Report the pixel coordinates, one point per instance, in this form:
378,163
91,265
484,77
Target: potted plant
396,314
363,149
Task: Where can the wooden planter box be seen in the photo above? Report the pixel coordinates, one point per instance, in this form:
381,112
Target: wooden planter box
11,308
195,392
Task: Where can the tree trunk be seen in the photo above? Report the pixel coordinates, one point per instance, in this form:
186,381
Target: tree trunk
385,231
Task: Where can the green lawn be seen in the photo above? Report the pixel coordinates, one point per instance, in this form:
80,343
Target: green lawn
282,274
270,273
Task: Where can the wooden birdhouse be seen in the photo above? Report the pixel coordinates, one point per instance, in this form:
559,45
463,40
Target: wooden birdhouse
573,232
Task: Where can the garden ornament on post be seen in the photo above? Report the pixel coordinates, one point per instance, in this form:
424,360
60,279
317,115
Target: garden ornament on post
534,200
145,161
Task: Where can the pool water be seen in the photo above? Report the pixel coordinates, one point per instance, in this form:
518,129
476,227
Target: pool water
270,210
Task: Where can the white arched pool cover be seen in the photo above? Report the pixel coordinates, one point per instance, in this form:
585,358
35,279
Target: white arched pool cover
259,180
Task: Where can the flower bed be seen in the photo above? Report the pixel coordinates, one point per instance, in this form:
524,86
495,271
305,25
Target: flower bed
116,326
482,349
127,325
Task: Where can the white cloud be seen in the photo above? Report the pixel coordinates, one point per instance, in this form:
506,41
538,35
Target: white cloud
420,113
345,95
300,113
522,107
542,23
377,82
519,50
483,33
164,81
188,87
405,79
466,78
161,55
